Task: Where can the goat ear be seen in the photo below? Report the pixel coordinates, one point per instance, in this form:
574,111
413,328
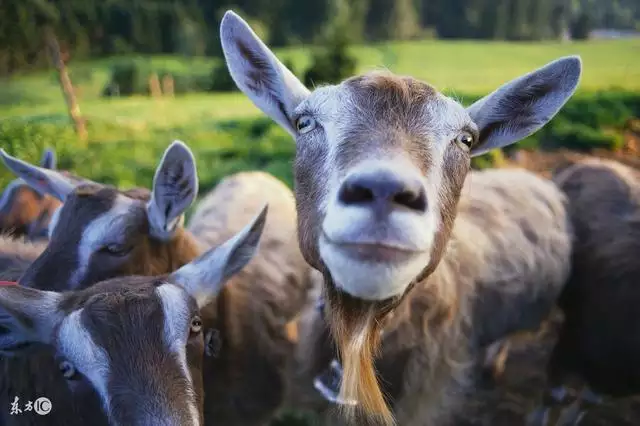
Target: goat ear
204,277
41,179
175,187
28,318
522,106
48,160
258,73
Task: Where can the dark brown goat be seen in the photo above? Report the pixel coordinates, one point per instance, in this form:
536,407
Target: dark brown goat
101,233
26,212
597,350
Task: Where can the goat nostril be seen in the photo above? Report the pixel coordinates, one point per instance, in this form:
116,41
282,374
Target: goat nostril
355,194
415,200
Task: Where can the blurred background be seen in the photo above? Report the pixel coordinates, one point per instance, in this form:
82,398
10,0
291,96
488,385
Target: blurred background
110,83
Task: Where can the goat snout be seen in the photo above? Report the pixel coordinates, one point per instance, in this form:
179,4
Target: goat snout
383,190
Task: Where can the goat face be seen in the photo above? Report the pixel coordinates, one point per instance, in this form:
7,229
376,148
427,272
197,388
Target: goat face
380,163
100,232
381,159
135,343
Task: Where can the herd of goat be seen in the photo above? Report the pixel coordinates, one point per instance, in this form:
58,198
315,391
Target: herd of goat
393,266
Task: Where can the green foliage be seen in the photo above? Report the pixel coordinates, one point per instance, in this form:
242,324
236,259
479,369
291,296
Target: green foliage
221,80
580,137
331,64
581,26
128,78
131,77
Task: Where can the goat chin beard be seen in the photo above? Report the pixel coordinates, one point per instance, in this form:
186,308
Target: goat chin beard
356,325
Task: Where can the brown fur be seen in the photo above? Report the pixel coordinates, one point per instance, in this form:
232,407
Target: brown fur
27,213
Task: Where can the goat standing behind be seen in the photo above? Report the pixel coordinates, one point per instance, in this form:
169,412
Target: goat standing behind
256,348
24,211
598,346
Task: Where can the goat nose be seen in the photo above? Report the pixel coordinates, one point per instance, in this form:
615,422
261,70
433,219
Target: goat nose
383,188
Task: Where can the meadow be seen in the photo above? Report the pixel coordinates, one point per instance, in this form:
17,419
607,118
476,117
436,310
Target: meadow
227,133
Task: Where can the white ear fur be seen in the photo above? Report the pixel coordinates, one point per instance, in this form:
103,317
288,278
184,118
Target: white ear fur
42,180
258,73
204,277
175,187
522,106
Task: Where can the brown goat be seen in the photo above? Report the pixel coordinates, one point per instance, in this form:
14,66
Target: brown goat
247,382
132,346
505,265
380,163
597,349
24,211
101,233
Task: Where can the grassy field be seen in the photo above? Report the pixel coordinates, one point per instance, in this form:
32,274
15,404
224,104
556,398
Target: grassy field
127,135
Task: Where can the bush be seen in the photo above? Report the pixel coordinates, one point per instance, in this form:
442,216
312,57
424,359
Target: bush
128,78
579,137
131,77
581,27
220,80
331,65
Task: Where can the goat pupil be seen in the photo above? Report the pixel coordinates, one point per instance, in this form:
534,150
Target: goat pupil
67,369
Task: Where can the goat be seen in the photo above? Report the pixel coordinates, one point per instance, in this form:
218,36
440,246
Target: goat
249,381
24,211
380,164
131,347
507,261
596,350
100,233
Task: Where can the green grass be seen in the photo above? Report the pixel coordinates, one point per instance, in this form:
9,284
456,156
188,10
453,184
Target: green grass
127,135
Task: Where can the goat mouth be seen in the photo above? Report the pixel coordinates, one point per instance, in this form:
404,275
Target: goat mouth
378,252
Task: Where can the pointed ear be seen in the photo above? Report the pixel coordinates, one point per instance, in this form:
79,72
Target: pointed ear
48,160
28,318
522,106
175,187
258,73
204,277
41,179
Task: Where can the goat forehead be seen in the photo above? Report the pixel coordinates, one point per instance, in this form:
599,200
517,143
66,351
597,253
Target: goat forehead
120,216
385,107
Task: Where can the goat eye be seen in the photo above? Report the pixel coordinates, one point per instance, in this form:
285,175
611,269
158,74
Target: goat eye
67,369
305,124
465,140
196,325
116,249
